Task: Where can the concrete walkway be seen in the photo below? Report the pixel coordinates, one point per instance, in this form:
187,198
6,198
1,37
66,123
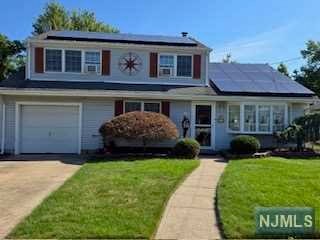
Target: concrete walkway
190,211
24,184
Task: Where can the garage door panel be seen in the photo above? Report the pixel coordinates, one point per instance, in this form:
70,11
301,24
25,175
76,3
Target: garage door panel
49,129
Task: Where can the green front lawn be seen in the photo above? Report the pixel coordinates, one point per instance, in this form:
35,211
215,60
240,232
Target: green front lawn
120,199
268,182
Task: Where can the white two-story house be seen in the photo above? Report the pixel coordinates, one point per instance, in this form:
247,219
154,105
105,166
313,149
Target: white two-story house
74,81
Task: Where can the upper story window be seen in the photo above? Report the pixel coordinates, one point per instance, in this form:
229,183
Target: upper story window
73,61
166,65
184,66
53,60
92,62
171,65
257,118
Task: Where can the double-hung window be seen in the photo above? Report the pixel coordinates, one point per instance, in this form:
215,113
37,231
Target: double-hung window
73,61
264,118
92,62
171,65
131,106
184,66
234,117
53,60
249,118
278,118
166,65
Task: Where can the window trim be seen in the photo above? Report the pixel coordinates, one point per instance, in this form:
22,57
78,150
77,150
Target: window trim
63,60
142,102
227,120
81,63
45,60
175,65
242,104
84,60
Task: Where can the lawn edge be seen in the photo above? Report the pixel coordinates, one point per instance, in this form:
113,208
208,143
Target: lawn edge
163,208
217,208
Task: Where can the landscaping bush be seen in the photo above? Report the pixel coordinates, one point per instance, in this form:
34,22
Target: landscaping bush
140,126
187,148
244,144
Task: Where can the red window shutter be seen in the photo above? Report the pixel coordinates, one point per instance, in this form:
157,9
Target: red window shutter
118,107
38,54
153,64
106,55
165,108
197,66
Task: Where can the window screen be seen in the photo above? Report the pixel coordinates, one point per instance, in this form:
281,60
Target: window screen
53,60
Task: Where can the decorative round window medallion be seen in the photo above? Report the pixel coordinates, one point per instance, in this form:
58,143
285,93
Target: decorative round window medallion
130,63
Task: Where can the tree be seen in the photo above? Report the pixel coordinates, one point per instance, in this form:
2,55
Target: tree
11,57
56,17
283,69
228,59
303,130
140,126
309,74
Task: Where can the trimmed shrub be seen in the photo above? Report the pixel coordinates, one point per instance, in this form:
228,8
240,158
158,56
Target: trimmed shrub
187,148
244,144
140,126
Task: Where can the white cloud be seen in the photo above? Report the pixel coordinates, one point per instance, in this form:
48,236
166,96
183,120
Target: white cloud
245,49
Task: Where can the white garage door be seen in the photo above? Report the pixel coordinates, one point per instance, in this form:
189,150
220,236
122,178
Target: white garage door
49,129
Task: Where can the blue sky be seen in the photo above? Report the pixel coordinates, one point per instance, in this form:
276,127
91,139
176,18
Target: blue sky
252,30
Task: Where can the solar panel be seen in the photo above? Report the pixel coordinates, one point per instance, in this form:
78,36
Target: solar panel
253,78
120,37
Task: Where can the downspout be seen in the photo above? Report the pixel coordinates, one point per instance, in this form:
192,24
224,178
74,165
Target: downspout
3,132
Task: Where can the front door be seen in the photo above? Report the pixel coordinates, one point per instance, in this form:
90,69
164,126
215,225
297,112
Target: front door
203,116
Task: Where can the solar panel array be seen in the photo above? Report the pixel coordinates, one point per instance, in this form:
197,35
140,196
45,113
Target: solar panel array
253,78
120,37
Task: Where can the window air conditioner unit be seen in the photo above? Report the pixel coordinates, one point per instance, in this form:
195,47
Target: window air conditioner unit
166,72
92,68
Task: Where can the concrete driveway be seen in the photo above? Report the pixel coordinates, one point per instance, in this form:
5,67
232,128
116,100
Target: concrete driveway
24,184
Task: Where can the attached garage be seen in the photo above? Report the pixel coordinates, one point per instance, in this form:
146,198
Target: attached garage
48,128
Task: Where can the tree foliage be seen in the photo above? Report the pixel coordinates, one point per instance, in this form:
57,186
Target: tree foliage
283,69
143,126
303,129
309,74
56,17
11,57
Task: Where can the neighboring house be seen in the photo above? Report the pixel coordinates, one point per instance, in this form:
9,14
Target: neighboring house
75,81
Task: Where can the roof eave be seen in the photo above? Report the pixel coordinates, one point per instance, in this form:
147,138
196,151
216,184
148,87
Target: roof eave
146,95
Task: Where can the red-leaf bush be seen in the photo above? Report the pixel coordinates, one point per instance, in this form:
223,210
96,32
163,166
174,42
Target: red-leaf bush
142,126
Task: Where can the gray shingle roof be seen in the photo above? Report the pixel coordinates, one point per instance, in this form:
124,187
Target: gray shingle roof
17,81
122,38
253,79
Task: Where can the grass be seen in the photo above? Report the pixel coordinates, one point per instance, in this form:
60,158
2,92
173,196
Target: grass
115,199
268,182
